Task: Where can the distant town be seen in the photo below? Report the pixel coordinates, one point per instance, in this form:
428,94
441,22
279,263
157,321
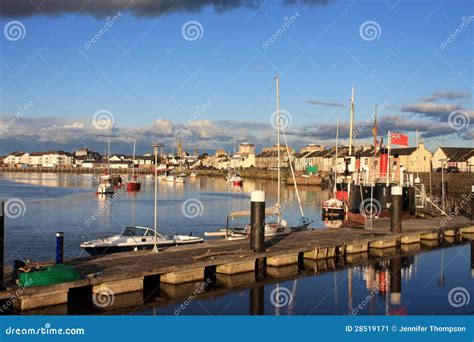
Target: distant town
310,159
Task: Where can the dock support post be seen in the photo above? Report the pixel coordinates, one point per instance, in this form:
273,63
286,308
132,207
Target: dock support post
472,258
396,280
396,206
472,202
59,247
257,221
2,245
257,300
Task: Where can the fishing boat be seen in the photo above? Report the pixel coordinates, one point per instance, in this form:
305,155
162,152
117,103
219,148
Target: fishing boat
369,191
133,184
134,238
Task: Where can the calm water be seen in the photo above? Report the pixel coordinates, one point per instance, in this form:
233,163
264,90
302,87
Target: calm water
420,282
65,202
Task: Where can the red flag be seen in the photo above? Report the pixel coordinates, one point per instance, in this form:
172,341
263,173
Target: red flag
399,139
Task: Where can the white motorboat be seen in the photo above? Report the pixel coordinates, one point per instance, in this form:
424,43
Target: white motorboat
134,238
170,179
105,187
179,180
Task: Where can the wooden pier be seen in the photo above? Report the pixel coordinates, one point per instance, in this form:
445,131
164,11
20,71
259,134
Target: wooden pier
139,271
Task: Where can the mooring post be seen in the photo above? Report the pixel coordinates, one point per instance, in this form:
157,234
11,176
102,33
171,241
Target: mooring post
472,258
396,208
257,300
2,244
472,202
396,280
257,221
59,247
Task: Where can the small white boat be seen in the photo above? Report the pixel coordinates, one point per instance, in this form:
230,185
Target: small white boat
234,179
170,179
193,175
134,238
180,180
271,229
333,208
105,187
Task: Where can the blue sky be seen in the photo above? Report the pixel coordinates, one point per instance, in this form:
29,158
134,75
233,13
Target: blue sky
152,80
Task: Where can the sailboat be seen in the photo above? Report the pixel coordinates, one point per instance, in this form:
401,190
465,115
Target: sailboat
133,184
333,208
106,186
274,224
234,178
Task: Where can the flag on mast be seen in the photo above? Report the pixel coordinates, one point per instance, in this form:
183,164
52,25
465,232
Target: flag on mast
399,139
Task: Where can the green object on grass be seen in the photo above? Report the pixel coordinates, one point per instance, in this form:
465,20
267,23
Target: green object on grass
50,275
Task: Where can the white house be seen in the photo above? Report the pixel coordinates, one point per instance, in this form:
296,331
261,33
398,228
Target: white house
57,158
460,157
17,157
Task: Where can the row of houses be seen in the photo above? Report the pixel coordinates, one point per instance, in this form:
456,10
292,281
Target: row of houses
310,159
85,158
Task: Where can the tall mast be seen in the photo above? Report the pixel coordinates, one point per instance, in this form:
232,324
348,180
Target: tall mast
375,131
108,156
351,125
277,78
337,150
337,138
133,160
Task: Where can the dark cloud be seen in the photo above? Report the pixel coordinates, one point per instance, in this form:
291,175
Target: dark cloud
151,8
394,123
446,95
437,111
327,104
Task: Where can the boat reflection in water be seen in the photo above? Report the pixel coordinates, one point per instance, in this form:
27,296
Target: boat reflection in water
404,284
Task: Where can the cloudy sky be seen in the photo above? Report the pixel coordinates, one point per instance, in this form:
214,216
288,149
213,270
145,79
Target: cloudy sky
75,71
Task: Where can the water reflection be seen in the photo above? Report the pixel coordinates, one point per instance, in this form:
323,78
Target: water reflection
67,202
376,284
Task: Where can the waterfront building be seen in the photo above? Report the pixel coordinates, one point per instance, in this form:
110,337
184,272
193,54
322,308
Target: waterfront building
17,158
268,158
414,159
460,157
246,149
57,159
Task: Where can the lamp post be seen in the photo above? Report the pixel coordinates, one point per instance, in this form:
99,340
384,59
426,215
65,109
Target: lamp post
156,146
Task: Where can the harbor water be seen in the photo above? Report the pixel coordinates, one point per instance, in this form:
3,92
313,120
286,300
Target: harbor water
425,283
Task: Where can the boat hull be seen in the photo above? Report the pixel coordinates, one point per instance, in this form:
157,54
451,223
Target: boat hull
101,250
366,202
133,186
